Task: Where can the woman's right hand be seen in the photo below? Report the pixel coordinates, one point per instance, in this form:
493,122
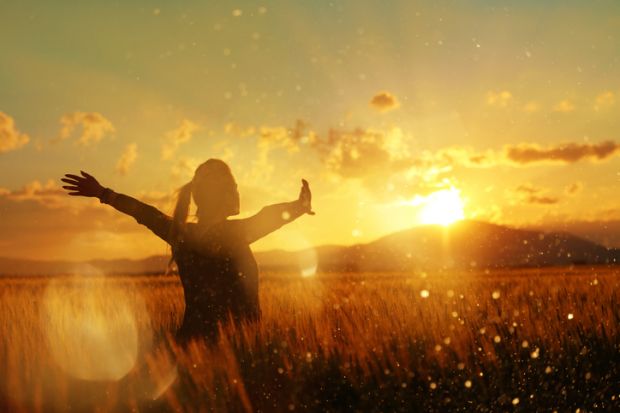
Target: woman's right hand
85,185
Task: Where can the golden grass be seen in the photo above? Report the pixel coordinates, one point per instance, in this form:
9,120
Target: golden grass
338,342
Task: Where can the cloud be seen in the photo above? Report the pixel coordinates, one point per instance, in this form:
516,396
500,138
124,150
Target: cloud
164,201
523,154
604,100
288,141
564,106
10,138
94,127
272,138
360,152
232,128
384,102
574,188
40,221
499,99
465,156
381,160
127,159
49,193
372,156
184,169
176,137
534,195
279,137
527,153
355,153
223,150
527,189
531,107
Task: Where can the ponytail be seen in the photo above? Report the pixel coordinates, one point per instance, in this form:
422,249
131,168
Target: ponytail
179,217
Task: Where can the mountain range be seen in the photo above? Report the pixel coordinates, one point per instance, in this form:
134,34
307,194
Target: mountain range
466,244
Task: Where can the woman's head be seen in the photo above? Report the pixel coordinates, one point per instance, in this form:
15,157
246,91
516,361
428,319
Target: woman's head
214,190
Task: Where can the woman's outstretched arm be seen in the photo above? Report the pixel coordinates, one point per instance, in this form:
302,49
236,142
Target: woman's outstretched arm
151,217
272,217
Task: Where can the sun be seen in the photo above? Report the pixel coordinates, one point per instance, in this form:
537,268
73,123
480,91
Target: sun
442,207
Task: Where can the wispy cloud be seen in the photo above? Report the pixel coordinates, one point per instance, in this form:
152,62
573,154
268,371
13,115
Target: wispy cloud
380,159
531,107
177,137
574,188
10,138
40,220
272,138
47,193
524,154
604,100
528,153
184,168
499,98
564,106
373,156
464,156
360,152
127,159
535,195
542,199
94,126
164,201
385,158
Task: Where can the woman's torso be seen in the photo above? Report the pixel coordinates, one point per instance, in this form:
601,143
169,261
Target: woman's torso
219,277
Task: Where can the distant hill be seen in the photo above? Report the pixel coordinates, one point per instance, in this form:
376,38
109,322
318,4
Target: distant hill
605,233
467,244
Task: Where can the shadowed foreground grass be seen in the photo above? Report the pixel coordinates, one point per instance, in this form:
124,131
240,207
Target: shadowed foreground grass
521,340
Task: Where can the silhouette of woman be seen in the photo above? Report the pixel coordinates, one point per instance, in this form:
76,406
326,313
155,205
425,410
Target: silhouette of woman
216,266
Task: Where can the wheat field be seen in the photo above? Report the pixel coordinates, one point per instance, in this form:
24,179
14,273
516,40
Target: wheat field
512,340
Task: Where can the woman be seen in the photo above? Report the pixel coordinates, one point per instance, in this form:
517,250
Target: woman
216,266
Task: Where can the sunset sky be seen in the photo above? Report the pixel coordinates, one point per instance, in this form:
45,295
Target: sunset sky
512,106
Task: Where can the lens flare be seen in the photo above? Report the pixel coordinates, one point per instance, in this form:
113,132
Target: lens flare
91,327
308,262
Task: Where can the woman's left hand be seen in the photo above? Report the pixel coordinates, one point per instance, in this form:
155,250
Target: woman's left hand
85,185
305,197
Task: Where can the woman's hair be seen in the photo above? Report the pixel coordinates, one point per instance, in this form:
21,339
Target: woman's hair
181,210
202,186
179,217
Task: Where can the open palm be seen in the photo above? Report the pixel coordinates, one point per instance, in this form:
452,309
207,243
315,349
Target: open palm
85,185
305,196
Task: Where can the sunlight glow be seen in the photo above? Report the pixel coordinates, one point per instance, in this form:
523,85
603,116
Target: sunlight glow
305,257
442,207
